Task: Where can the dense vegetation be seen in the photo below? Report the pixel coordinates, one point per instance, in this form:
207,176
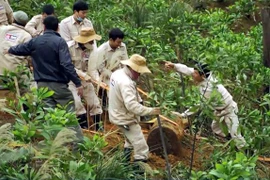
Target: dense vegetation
159,30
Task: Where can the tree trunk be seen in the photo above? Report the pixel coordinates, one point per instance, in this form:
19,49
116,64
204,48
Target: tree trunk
173,136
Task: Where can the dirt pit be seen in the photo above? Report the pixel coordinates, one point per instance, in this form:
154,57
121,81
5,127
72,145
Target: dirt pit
202,150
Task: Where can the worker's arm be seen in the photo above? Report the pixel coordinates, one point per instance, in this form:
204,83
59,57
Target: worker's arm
31,27
64,31
83,75
125,52
185,114
66,63
9,12
93,62
131,102
24,49
94,74
182,68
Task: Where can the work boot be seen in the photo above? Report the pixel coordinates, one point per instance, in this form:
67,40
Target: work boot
96,119
139,166
83,121
127,155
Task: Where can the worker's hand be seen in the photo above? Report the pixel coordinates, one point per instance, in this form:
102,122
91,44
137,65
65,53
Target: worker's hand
87,78
102,84
169,65
80,91
181,115
5,51
155,111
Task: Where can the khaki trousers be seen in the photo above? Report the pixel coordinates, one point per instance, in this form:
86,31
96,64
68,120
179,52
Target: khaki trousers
89,95
230,119
134,138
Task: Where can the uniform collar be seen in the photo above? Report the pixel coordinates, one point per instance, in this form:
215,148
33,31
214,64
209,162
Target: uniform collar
73,21
51,32
18,26
111,49
206,81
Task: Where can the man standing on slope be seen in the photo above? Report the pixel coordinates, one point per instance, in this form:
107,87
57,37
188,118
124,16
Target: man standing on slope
109,55
85,41
125,108
52,66
71,27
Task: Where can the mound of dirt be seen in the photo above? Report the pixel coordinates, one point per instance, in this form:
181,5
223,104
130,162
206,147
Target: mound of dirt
202,150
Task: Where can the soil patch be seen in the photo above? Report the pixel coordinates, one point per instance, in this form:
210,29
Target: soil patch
202,150
6,118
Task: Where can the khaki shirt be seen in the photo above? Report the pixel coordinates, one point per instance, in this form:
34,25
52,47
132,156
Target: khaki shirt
109,60
6,13
11,35
124,99
69,28
82,57
35,26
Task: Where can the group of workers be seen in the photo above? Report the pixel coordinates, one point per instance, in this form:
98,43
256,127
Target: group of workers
66,59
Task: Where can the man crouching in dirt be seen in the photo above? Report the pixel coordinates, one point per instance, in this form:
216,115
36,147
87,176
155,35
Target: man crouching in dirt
125,108
207,84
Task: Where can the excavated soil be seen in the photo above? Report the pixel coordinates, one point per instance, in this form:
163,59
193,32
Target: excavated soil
6,118
202,150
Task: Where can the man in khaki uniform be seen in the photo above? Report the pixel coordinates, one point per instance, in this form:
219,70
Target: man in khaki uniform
71,27
125,108
6,16
35,26
12,35
85,42
110,54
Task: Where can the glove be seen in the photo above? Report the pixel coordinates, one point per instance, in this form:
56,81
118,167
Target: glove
155,111
181,115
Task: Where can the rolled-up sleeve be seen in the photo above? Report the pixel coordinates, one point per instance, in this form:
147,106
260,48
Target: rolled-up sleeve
66,63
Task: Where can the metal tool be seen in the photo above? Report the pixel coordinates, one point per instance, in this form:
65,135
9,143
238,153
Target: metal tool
164,148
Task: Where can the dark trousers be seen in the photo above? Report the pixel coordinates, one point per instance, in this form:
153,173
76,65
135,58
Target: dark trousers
63,96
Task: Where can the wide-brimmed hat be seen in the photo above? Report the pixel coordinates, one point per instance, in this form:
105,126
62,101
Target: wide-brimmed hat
137,63
87,35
